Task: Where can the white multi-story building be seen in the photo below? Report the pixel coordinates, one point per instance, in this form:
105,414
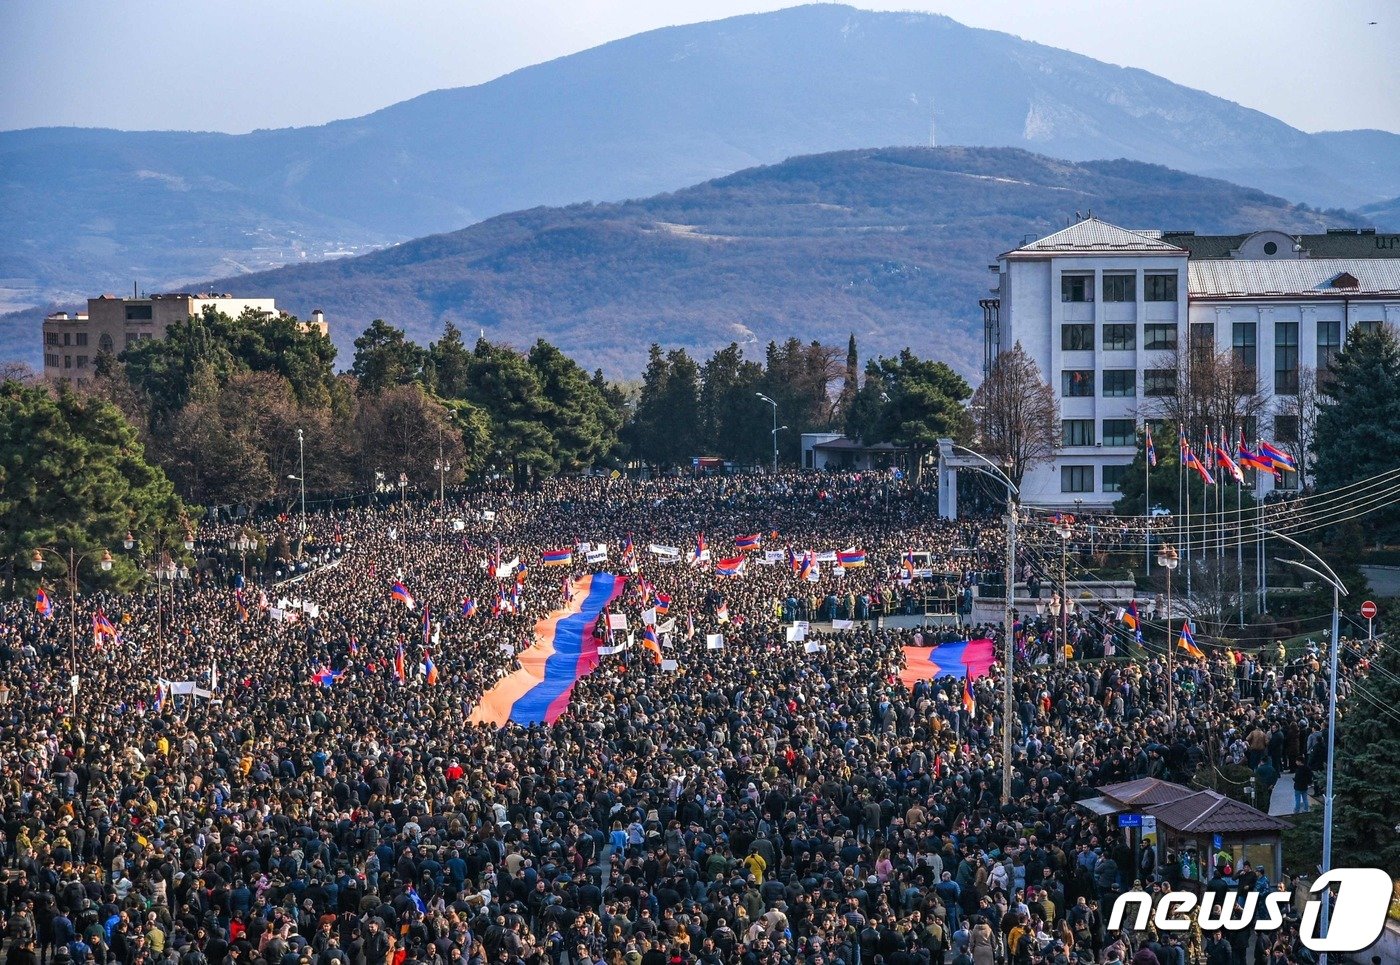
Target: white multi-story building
1103,310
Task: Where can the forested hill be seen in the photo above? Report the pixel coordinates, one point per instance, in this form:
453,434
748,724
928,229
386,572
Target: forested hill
892,244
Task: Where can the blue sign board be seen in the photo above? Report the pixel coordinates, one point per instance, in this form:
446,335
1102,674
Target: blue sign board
1218,842
1130,820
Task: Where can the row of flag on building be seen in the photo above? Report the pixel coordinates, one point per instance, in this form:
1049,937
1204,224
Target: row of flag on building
1264,457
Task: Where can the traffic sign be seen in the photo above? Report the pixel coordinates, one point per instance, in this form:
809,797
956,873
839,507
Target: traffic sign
1130,820
1368,610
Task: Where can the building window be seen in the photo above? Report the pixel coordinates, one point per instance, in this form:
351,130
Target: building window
1076,288
1113,477
50,338
67,338
1287,480
1119,432
1077,383
51,361
1077,432
1245,348
1159,338
1119,338
1076,479
1285,358
1120,288
1329,342
131,339
1370,326
82,361
138,313
80,339
1203,337
1076,338
1159,383
1285,428
67,361
104,344
1119,383
1159,288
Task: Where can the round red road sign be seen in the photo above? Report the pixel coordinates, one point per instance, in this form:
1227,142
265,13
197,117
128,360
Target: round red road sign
1368,610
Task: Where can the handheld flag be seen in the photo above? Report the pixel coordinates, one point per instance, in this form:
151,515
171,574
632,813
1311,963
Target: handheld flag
400,592
417,901
557,557
430,670
730,567
1187,641
750,542
908,565
851,558
1131,621
663,604
806,567
399,674
1150,449
651,643
469,607
102,627
697,555
326,677
159,702
42,604
968,703
722,613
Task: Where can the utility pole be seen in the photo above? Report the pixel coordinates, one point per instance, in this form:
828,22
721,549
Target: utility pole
1009,646
775,428
301,477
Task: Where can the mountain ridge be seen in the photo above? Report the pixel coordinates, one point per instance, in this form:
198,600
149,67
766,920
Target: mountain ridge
84,210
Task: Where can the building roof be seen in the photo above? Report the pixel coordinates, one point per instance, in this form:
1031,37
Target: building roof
842,444
1302,276
1208,812
1335,243
1144,792
1093,235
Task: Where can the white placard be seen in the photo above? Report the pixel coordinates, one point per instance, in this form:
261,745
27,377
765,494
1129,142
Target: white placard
826,556
657,549
796,634
617,621
458,525
843,624
838,570
813,646
584,547
507,649
668,627
714,641
762,561
670,666
73,682
600,548
488,515
277,613
649,616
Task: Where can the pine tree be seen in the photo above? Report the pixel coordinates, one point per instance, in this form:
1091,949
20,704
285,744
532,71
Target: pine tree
1367,770
1358,419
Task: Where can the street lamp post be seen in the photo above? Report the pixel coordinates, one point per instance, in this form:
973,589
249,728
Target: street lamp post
1064,531
165,570
775,428
1168,560
1013,494
1339,590
443,467
301,474
71,561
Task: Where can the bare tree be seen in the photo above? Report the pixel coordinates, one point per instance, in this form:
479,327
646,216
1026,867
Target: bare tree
1295,419
1212,393
1016,414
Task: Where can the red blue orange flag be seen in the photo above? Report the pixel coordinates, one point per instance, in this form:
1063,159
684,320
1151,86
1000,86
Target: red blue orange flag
400,592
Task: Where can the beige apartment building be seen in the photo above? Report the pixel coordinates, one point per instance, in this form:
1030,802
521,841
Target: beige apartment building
112,325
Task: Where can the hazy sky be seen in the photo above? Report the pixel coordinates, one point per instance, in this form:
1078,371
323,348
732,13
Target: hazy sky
235,65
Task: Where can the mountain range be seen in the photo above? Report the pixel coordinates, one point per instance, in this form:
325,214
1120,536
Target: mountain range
82,210
892,244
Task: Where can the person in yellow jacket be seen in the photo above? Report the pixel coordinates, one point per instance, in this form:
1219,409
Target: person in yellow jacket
756,865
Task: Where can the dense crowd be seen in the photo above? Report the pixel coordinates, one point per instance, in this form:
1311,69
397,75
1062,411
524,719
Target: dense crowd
762,803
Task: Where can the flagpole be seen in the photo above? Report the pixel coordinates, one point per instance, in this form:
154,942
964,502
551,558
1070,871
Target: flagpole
1184,486
1239,543
1147,495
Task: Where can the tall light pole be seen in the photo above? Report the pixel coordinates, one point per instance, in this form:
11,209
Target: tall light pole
443,467
775,428
1013,494
1168,560
1064,531
301,473
71,561
1339,590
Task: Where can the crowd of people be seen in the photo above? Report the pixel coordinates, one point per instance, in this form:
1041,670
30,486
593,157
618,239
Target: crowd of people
303,795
